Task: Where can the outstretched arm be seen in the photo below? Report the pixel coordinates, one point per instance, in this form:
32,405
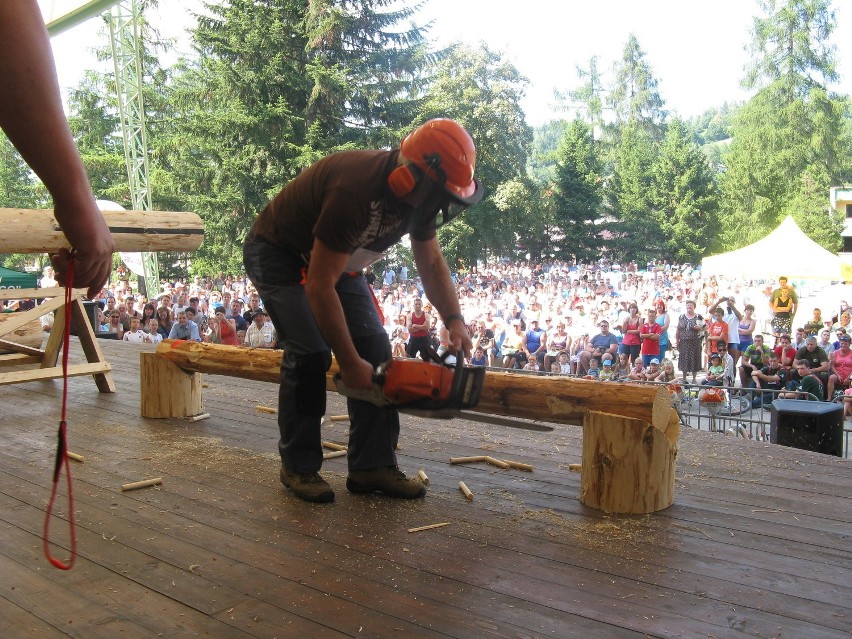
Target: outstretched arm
32,117
439,289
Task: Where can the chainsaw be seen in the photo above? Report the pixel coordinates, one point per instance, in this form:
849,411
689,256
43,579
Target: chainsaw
426,386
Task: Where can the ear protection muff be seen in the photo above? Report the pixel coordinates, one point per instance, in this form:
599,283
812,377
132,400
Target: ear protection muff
404,179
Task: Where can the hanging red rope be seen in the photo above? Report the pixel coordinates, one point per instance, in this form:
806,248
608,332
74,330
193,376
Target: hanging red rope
62,445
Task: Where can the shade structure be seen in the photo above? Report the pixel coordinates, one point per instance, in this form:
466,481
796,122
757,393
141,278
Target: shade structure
803,258
17,279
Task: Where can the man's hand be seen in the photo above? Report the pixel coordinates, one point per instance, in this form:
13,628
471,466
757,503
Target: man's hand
88,234
358,375
458,337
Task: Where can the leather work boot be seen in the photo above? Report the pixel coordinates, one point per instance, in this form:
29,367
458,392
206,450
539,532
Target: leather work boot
390,481
307,486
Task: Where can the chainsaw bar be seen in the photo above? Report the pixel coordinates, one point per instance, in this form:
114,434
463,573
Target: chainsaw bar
484,418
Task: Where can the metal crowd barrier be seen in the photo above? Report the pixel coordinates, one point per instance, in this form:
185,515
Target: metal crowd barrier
738,415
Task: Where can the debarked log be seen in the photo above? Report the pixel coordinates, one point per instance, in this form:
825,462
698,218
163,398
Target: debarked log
556,399
37,231
628,465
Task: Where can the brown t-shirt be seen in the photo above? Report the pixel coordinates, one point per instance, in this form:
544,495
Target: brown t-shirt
344,201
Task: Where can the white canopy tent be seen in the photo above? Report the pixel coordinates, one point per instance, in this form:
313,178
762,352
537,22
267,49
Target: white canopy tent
785,251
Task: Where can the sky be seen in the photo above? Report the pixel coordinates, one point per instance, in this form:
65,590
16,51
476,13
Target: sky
696,48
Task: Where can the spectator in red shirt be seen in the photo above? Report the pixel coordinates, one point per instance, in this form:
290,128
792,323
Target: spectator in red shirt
649,334
717,333
786,352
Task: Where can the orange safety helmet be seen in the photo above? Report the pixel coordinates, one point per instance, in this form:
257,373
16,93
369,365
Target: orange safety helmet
442,149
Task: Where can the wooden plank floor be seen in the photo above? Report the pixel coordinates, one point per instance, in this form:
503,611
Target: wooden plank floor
757,543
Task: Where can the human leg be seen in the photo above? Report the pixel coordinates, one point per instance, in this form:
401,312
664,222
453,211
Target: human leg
373,430
583,362
301,394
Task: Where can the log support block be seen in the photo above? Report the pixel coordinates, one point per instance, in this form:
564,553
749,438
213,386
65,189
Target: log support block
628,465
167,390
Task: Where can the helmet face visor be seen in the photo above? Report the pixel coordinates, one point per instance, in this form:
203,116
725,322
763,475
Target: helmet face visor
448,211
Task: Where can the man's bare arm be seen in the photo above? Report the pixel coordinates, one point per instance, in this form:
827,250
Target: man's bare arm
31,115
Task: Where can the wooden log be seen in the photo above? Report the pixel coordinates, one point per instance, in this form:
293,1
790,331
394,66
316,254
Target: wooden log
557,399
167,390
261,364
628,465
36,231
29,336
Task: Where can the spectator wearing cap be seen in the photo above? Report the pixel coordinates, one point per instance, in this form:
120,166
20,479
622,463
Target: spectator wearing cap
652,370
261,333
715,371
603,342
840,366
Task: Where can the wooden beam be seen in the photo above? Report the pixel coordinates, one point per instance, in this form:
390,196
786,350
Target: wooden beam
40,374
553,398
36,231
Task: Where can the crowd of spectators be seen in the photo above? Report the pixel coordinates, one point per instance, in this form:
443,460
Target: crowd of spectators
664,322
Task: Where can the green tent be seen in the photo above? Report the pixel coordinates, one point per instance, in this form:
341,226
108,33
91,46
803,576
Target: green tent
17,279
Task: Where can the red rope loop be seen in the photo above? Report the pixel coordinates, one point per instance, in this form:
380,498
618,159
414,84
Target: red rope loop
62,443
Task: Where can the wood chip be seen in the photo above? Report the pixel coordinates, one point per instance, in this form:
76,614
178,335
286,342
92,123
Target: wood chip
497,462
142,484
467,460
429,527
266,409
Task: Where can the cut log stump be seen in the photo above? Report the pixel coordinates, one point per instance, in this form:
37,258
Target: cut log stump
628,464
167,389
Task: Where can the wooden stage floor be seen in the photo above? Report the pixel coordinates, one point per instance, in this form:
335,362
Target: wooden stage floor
757,543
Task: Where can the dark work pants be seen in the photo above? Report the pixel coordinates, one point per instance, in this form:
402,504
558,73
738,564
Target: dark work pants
373,431
419,345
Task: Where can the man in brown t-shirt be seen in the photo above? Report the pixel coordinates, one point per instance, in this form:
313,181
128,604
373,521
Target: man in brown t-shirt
305,255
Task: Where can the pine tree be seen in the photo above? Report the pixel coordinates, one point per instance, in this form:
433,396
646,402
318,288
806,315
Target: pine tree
637,233
793,126
577,195
684,196
635,99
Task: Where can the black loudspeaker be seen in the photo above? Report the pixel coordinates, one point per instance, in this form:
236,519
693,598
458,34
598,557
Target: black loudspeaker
91,309
808,425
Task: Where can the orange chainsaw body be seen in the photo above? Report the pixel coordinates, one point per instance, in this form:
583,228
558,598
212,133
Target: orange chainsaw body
406,381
